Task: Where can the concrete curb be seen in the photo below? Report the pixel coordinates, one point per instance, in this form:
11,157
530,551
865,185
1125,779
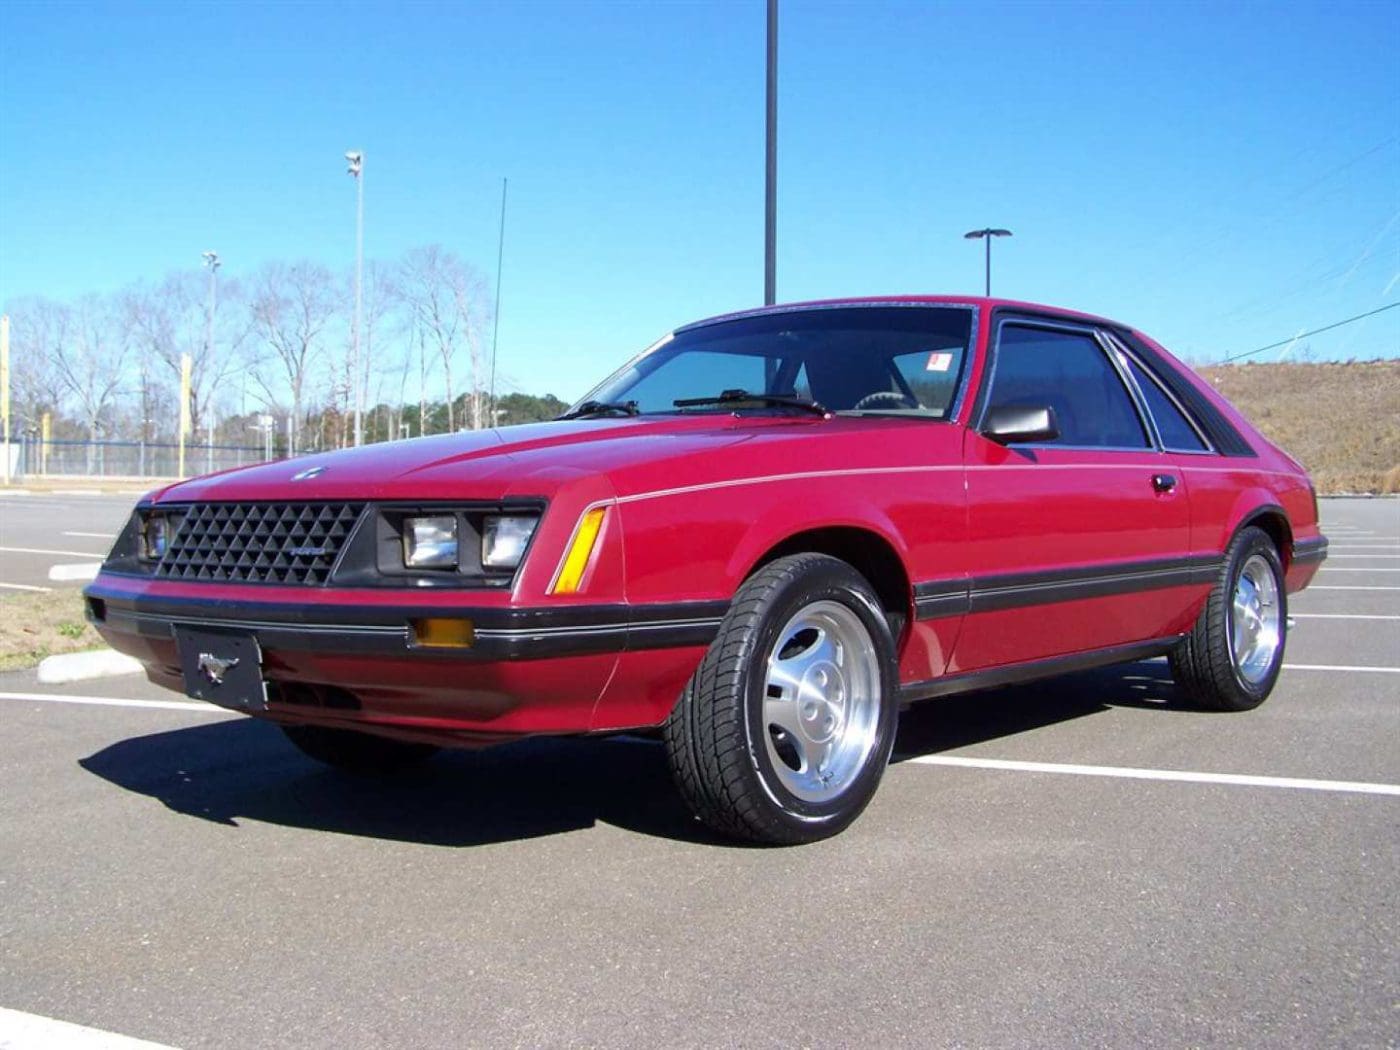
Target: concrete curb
77,571
77,667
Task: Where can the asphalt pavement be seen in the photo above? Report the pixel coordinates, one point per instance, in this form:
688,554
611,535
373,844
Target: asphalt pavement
181,875
56,539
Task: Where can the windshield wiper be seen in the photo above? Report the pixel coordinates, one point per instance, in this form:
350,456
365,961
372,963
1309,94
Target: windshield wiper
602,408
730,397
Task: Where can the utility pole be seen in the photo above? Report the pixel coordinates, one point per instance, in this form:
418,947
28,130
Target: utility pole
356,171
987,235
184,409
211,260
5,390
770,181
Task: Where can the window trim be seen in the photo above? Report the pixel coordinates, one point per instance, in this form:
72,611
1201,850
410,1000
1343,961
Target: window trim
1115,344
984,395
1225,437
955,405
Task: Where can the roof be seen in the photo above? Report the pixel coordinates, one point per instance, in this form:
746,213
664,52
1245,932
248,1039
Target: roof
902,300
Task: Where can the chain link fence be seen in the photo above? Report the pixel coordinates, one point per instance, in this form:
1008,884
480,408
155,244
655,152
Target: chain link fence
131,459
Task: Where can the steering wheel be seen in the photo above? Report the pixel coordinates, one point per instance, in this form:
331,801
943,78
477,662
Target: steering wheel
885,399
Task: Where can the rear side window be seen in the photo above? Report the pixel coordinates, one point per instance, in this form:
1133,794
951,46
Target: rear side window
1069,372
1177,433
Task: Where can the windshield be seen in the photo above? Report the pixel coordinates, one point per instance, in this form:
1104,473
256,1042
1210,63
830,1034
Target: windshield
887,360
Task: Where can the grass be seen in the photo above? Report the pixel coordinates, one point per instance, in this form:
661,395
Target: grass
33,626
1341,421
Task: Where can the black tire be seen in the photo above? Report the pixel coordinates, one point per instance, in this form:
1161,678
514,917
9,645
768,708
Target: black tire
358,753
1205,663
719,740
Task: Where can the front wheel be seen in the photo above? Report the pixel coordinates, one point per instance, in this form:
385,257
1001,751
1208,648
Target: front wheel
785,729
1232,657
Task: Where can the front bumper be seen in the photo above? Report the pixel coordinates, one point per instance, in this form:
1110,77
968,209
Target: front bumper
528,670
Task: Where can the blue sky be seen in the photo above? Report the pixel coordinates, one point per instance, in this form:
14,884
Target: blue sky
1223,176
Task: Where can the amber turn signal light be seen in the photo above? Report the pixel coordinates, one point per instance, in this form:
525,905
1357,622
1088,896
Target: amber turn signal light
580,550
444,633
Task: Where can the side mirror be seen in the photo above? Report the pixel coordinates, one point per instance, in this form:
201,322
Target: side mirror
1014,423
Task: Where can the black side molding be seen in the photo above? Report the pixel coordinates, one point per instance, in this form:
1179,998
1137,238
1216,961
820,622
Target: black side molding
938,598
1306,552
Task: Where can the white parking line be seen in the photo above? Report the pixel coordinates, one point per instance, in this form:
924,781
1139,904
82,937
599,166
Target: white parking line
1355,568
192,706
1350,786
57,554
1341,667
1325,587
25,587
1367,557
1340,616
1360,547
93,535
20,1030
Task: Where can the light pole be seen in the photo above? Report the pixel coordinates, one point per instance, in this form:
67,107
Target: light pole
356,171
987,235
496,316
770,165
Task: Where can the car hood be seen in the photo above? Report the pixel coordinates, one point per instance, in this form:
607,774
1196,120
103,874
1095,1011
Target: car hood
530,459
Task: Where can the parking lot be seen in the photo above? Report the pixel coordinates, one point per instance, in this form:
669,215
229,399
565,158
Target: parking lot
56,539
1078,862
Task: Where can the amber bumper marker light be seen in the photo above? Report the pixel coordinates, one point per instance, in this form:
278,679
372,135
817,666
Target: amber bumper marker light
580,551
443,633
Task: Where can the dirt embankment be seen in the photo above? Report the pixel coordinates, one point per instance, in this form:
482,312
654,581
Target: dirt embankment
1341,421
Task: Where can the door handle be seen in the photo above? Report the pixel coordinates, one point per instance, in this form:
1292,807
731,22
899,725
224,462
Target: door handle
1163,482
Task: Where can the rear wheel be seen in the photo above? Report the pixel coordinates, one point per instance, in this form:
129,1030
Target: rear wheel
358,753
785,729
1231,658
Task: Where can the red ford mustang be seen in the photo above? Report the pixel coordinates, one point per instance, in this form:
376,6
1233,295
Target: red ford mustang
764,535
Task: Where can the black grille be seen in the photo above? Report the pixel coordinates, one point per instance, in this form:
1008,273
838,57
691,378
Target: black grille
294,543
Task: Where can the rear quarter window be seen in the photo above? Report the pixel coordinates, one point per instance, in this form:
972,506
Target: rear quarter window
1176,431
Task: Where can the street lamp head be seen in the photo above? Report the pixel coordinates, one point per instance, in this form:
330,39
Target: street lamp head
973,235
357,160
211,260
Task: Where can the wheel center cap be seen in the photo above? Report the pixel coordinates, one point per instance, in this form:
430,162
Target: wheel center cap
821,711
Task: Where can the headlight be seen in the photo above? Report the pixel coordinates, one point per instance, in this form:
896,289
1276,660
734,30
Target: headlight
155,537
503,540
430,543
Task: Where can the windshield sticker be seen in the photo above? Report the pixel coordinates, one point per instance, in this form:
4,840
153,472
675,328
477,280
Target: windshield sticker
939,361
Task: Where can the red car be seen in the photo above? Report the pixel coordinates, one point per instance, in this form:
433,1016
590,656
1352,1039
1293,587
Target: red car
763,536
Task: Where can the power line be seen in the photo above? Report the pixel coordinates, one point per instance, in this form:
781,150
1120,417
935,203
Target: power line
1315,331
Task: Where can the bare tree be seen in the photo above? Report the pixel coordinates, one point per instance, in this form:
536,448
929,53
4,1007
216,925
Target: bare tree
172,319
379,301
291,306
89,355
38,326
446,299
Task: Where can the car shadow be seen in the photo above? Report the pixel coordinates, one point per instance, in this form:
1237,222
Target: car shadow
244,769
973,718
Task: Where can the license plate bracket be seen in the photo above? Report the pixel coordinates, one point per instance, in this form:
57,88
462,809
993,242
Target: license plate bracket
222,667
